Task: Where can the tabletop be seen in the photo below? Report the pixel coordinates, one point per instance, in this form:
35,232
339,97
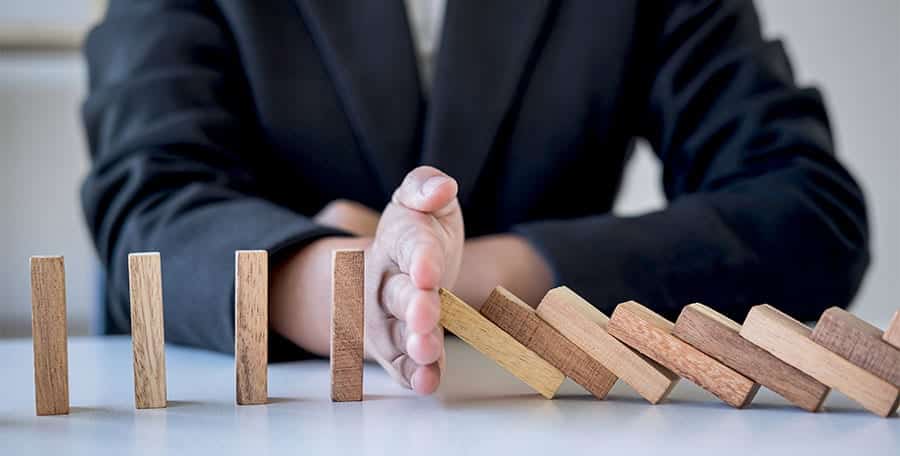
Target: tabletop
479,409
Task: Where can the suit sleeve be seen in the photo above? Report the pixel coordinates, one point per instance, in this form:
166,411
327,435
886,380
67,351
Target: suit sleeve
760,210
172,136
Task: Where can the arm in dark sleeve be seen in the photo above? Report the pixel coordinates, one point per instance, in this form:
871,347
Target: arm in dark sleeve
171,136
760,209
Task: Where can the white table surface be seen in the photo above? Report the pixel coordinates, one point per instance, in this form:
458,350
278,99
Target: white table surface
479,409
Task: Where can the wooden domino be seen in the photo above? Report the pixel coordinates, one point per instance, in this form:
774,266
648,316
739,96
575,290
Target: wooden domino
580,322
892,333
789,340
486,337
347,325
251,326
50,336
651,334
521,321
858,342
147,330
719,337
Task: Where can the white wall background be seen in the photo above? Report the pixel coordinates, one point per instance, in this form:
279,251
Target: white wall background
849,49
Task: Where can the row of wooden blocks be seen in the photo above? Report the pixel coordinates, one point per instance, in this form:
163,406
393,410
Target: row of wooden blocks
568,337
251,285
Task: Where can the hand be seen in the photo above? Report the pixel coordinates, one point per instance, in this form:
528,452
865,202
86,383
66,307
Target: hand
417,249
349,216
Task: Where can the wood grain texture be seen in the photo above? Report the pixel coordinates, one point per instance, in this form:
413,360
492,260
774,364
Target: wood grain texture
789,341
651,334
719,337
147,330
858,342
521,321
486,337
892,333
580,322
347,325
50,336
251,326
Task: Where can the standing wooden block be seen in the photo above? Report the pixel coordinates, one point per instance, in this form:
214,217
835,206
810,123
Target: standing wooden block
50,336
651,335
580,322
251,326
347,325
719,337
518,319
789,341
147,330
477,331
892,333
858,342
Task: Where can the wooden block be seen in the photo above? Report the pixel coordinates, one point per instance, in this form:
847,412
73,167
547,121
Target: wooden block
251,326
347,325
519,320
50,336
858,342
578,321
476,330
789,341
892,333
651,334
719,337
147,330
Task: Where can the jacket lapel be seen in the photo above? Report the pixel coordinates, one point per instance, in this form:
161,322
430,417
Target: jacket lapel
367,48
485,49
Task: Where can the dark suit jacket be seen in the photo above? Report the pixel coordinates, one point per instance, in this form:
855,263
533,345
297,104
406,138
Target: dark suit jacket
224,125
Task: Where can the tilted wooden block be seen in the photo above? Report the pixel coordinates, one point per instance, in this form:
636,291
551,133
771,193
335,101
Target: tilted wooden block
651,335
892,333
347,325
50,336
476,330
789,341
858,342
585,326
251,326
719,337
147,330
519,320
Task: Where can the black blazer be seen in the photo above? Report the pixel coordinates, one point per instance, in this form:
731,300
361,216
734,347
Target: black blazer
224,125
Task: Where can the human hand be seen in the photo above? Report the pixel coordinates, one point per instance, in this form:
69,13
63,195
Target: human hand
349,216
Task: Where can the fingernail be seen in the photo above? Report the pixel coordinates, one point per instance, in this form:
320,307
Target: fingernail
432,183
412,380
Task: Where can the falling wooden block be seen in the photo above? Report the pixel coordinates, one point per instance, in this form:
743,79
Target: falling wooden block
251,326
476,330
789,341
719,337
347,325
147,332
651,334
519,320
858,342
584,325
892,333
48,330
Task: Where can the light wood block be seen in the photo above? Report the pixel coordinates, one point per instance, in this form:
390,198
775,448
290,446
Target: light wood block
858,342
789,341
521,321
50,336
476,330
347,325
892,333
651,334
147,330
580,322
251,326
719,337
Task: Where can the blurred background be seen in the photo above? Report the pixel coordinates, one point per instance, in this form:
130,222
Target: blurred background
851,50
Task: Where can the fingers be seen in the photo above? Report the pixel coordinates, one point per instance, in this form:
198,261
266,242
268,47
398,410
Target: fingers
426,189
417,365
419,309
421,379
